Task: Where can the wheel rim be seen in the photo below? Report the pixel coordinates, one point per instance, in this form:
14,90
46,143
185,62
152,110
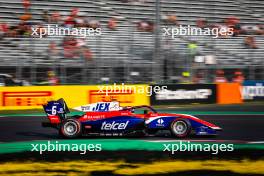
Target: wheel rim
70,128
180,127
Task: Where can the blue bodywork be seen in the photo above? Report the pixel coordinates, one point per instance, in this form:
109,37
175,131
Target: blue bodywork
164,123
129,123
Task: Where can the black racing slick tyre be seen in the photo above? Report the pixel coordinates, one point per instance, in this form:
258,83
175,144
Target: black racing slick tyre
70,128
180,128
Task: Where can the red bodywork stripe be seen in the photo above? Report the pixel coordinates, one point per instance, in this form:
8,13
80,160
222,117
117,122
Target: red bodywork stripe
54,119
103,115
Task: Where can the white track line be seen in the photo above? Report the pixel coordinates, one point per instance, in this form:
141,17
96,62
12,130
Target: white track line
256,142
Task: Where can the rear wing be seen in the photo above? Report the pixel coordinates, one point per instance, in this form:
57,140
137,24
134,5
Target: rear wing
56,108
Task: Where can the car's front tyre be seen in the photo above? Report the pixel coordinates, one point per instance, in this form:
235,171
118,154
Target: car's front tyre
70,128
180,128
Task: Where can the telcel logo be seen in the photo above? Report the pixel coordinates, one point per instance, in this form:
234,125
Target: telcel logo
114,126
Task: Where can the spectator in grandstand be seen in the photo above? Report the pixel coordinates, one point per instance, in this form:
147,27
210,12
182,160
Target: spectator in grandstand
171,19
26,17
87,53
12,32
92,23
81,42
150,26
220,77
52,78
146,26
26,4
199,78
201,23
45,16
260,30
73,47
237,29
81,22
250,42
53,50
112,23
74,12
193,49
70,46
185,79
141,26
56,18
223,30
238,77
24,29
4,29
71,20
231,21
83,49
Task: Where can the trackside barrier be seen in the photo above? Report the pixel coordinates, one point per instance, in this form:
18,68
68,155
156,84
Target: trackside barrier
253,90
229,93
32,97
222,93
184,94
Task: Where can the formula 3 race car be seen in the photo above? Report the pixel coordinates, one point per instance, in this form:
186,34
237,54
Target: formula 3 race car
109,119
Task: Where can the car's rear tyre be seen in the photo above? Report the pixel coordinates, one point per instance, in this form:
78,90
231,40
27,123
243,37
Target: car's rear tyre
180,128
70,128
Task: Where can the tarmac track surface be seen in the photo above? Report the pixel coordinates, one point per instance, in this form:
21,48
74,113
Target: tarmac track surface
240,128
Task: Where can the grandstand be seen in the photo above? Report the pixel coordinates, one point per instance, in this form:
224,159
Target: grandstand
118,53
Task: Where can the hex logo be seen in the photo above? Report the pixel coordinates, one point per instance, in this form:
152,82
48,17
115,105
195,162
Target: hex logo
102,107
99,107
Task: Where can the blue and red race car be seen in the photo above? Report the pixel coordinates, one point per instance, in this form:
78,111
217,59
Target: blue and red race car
109,119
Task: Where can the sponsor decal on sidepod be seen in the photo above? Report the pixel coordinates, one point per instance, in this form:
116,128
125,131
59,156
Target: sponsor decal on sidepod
114,125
